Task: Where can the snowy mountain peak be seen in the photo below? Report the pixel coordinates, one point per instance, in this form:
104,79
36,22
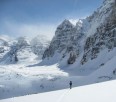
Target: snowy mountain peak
23,41
66,24
3,42
79,22
5,37
22,50
39,44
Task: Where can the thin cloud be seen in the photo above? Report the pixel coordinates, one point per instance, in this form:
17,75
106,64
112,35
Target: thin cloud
30,30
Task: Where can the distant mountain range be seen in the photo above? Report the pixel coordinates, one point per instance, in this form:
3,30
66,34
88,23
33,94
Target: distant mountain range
22,49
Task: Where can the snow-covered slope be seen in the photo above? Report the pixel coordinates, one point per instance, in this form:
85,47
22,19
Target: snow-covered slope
23,50
18,80
103,92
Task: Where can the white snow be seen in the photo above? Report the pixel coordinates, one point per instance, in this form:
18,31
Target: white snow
21,79
103,92
18,80
36,77
5,38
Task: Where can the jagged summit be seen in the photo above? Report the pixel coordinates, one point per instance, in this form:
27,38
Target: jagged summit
66,22
65,25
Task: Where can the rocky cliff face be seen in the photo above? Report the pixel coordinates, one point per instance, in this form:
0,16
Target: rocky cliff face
66,41
104,36
88,38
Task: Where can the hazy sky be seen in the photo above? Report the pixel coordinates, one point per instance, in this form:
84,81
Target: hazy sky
34,17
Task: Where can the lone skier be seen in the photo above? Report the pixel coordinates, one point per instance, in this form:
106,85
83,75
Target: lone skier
114,72
70,84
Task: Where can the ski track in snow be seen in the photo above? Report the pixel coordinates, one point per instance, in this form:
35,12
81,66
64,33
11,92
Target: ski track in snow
101,92
63,95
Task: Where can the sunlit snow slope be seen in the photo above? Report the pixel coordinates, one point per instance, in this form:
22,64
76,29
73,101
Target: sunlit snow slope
103,92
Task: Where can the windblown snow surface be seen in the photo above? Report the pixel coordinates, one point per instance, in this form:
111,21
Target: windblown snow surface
102,92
